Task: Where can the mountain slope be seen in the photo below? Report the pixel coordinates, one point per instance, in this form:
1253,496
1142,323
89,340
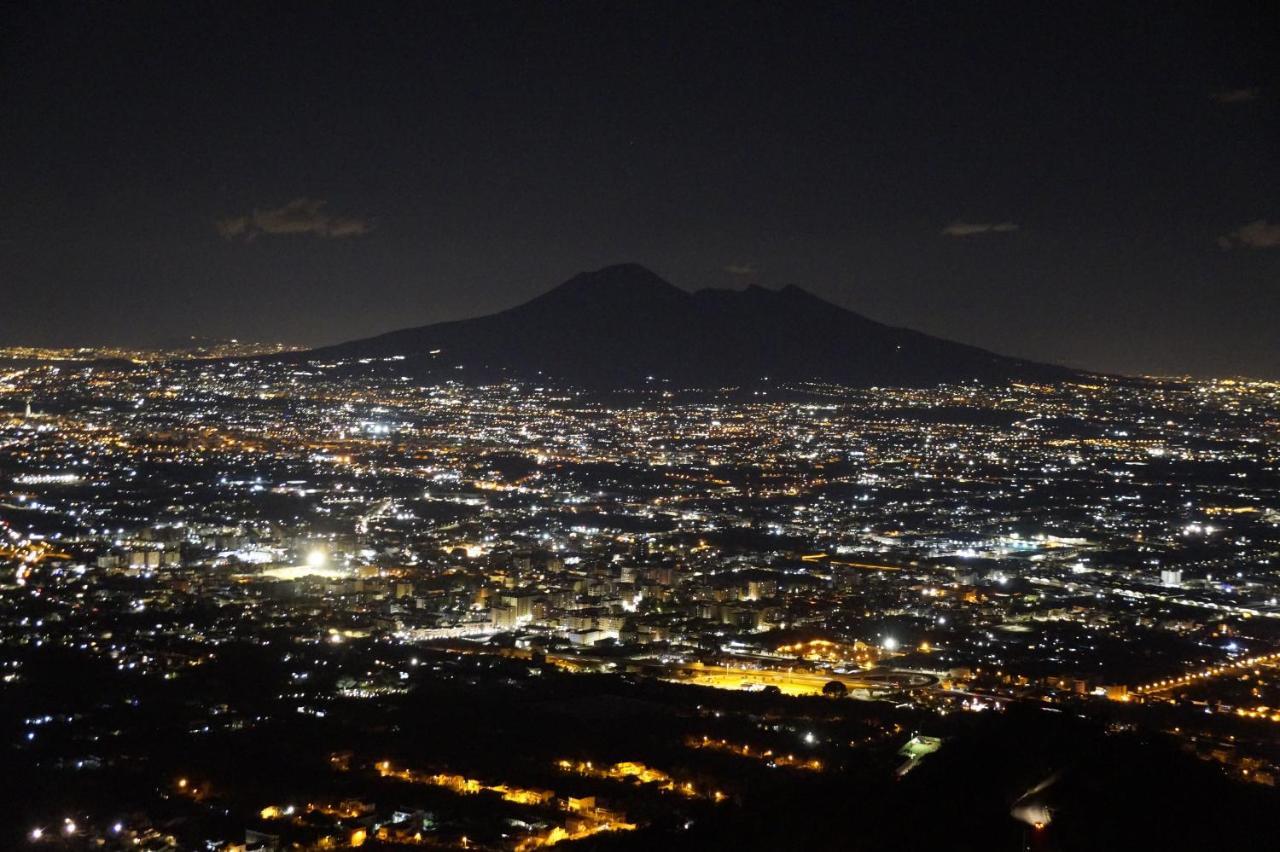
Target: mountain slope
623,326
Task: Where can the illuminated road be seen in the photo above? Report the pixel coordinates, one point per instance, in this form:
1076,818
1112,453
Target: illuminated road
1225,670
867,566
871,684
874,684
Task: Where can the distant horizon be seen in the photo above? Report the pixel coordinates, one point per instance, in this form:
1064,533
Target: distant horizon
313,342
177,343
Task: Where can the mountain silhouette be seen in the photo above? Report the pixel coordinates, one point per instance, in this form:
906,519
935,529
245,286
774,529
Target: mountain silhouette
623,327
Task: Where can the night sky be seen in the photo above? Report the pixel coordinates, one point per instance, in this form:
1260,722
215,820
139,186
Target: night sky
1080,183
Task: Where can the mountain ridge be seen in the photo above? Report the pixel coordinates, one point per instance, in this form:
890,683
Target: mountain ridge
624,326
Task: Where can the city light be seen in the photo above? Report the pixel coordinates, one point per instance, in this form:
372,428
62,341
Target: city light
506,538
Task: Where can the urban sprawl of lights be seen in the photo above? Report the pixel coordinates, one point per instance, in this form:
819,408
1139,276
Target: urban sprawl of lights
1112,548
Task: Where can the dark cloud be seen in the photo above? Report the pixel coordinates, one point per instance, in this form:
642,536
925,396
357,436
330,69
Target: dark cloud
741,270
1237,96
969,229
1259,234
299,216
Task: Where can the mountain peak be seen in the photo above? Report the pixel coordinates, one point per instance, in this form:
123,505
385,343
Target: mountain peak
621,276
611,289
622,271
